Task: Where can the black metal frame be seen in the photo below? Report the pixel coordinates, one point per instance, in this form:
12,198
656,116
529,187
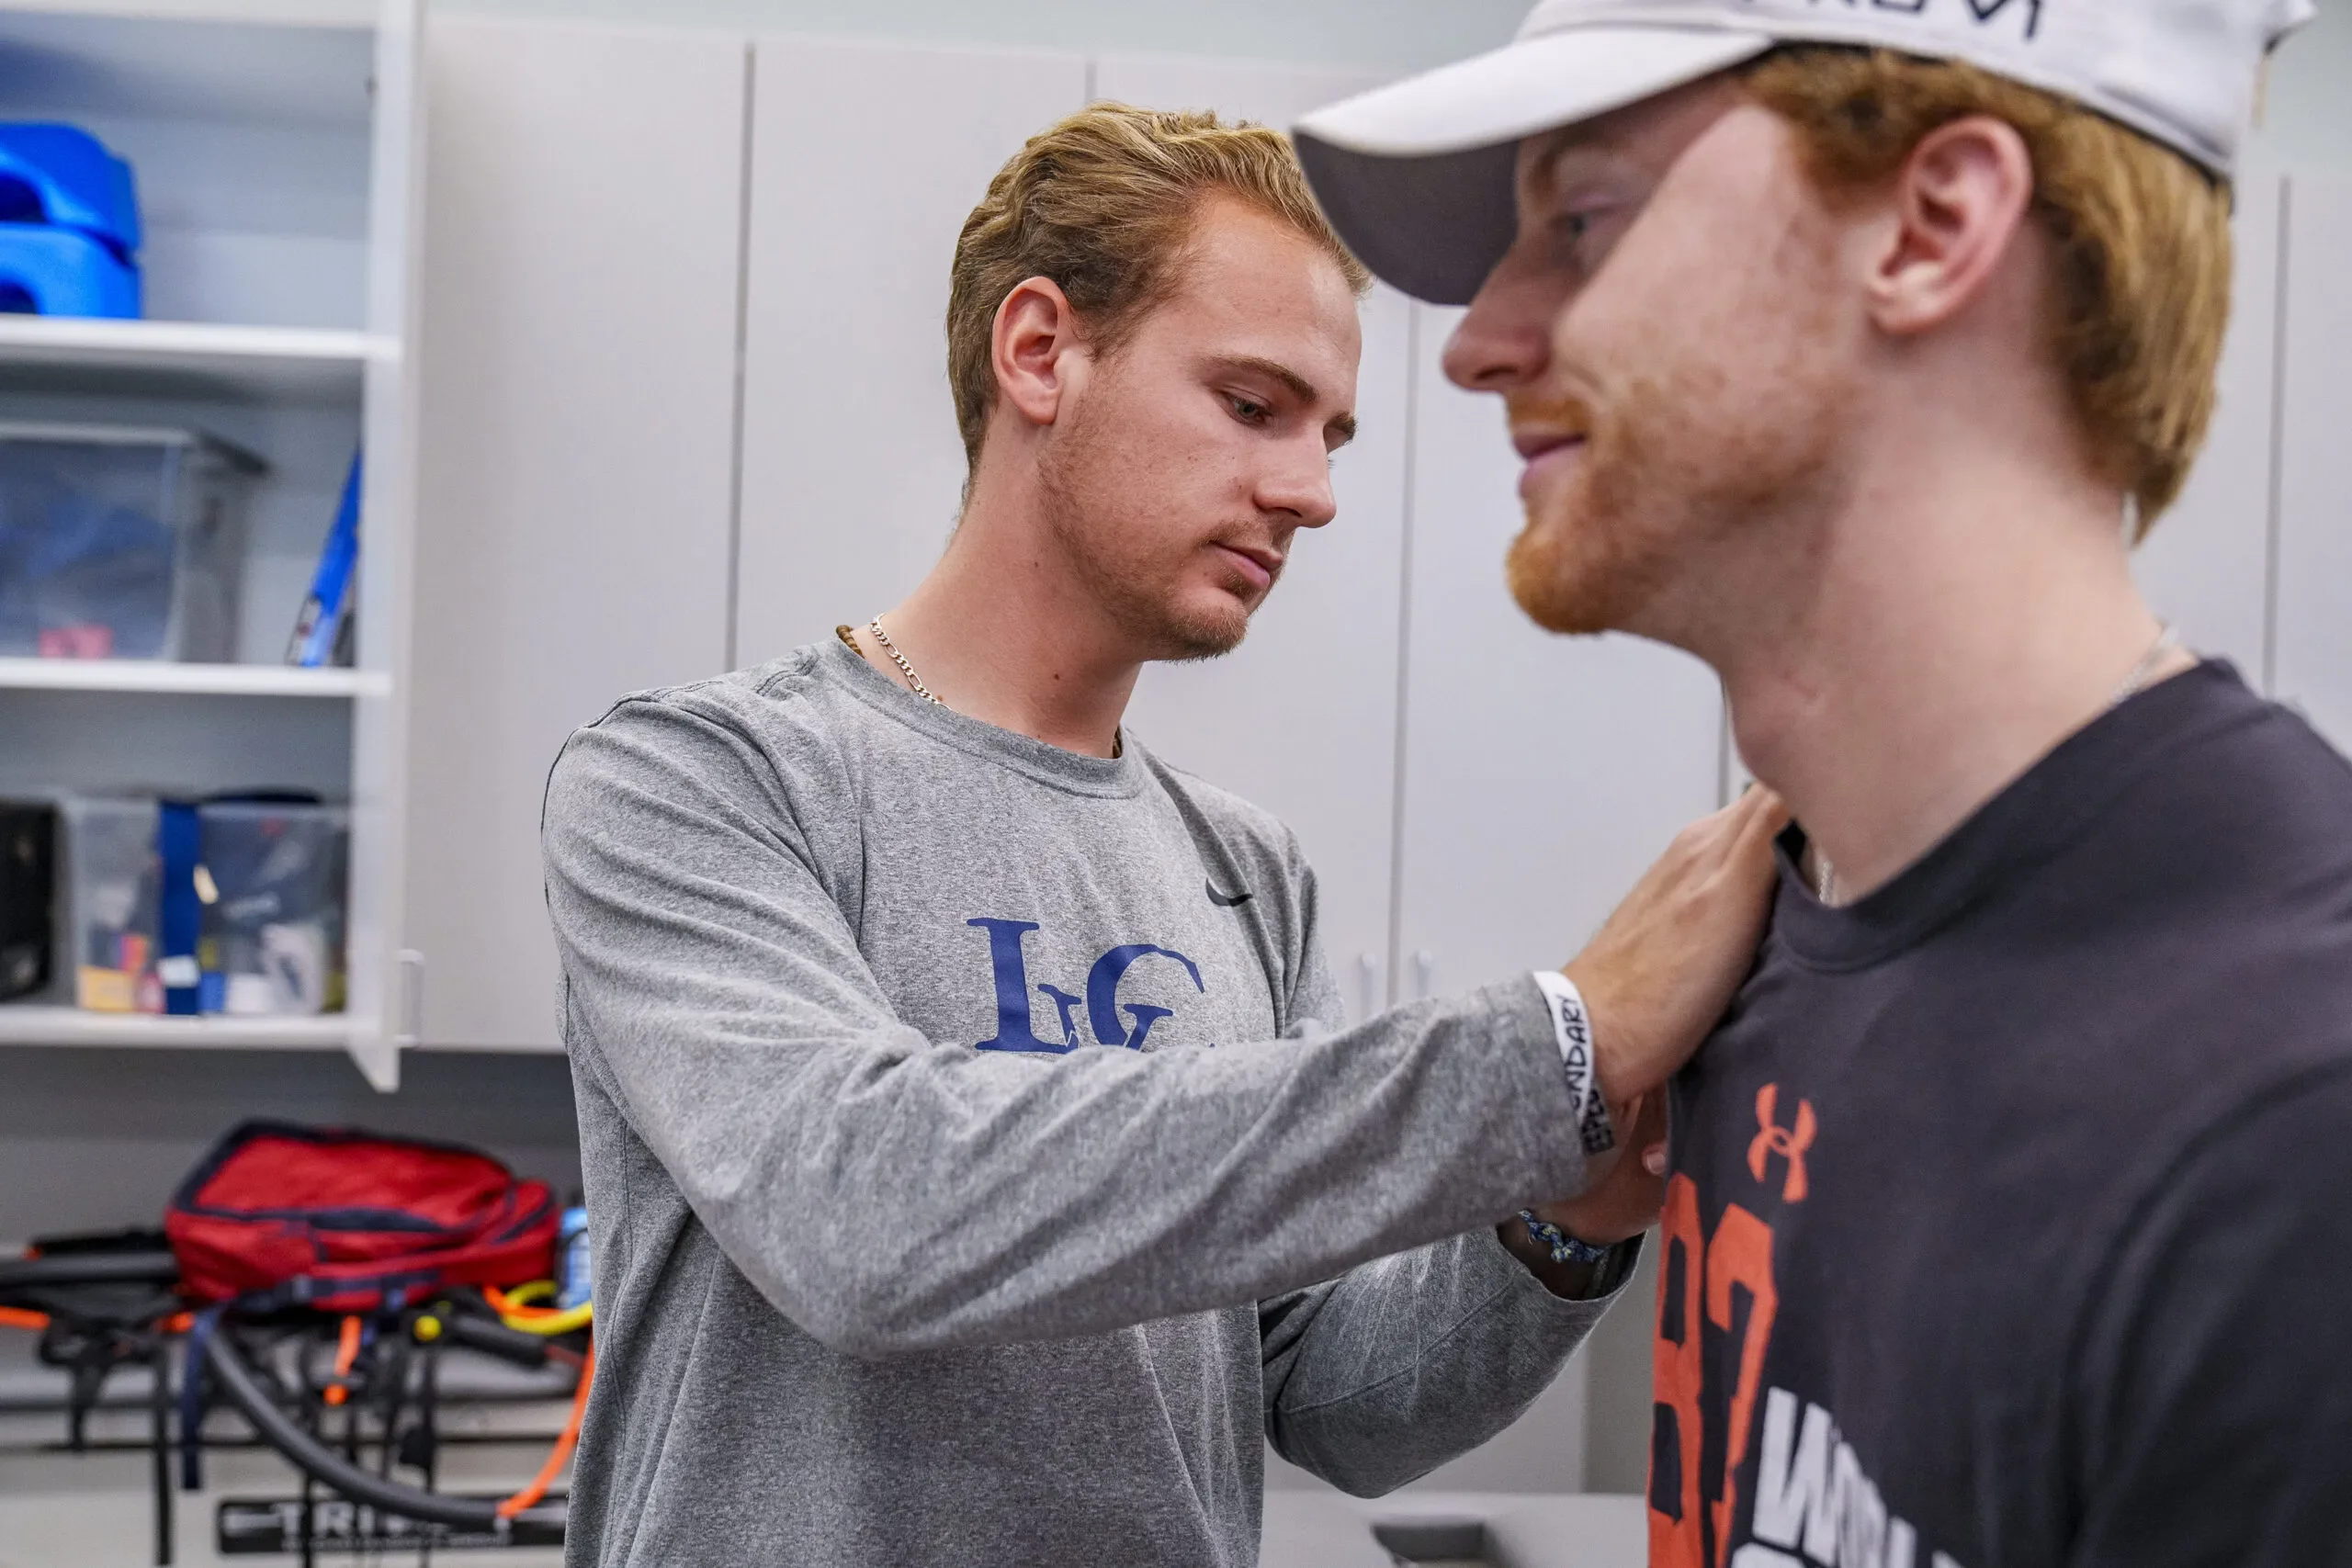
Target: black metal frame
109,1309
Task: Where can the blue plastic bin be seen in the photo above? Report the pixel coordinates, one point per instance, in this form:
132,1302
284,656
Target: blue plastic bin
69,225
63,272
63,176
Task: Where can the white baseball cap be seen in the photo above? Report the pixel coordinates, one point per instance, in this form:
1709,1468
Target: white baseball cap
1417,175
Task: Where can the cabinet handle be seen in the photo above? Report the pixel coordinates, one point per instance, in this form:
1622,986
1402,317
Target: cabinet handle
1368,994
411,1027
1424,974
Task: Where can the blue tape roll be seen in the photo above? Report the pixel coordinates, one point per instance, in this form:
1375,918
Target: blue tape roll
179,841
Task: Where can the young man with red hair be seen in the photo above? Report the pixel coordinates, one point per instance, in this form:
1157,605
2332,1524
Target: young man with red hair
1851,347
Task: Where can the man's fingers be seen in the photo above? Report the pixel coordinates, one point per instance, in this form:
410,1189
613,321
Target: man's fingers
1767,815
1649,1132
1757,815
1757,836
1644,1117
1644,1131
1740,830
1661,969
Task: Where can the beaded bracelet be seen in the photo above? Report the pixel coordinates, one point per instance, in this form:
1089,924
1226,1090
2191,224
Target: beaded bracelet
1565,1249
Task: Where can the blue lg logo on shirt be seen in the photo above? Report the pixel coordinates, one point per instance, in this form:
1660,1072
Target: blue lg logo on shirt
1014,1028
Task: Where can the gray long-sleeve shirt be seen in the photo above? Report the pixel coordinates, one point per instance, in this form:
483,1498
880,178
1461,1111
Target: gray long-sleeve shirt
974,1169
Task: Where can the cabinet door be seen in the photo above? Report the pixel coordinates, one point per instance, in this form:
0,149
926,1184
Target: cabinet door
1302,717
582,244
2207,565
865,159
1543,774
2314,626
378,749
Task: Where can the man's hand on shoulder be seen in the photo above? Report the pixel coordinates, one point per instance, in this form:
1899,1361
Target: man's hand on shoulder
1655,981
1660,973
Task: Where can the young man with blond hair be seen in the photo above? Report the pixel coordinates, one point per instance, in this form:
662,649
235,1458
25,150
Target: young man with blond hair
1851,348
979,1171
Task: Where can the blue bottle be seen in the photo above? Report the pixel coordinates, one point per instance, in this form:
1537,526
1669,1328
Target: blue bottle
574,1284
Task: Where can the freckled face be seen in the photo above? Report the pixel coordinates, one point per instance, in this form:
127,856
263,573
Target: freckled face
1672,346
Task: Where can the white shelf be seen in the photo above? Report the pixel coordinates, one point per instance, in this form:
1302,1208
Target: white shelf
307,362
194,680
24,1023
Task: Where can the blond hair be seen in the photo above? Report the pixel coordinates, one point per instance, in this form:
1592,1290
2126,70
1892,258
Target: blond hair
2141,294
1103,204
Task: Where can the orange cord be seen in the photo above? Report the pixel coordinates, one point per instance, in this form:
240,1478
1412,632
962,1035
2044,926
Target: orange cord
17,1317
505,1306
562,1455
346,1356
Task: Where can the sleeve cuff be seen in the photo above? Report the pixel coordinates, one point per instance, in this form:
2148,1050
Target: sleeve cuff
1609,1281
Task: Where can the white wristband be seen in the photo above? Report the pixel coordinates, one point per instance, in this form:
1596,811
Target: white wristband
1572,1030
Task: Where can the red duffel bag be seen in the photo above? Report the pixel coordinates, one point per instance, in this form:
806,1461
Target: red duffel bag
350,1221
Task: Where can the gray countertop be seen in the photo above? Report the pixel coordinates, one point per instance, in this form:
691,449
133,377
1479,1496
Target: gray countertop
1316,1529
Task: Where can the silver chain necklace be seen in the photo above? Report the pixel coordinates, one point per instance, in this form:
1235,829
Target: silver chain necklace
1825,882
914,681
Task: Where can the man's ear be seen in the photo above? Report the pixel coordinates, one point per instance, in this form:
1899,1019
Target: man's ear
1035,348
1959,204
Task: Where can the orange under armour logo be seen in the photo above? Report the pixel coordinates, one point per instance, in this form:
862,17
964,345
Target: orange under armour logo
1789,1143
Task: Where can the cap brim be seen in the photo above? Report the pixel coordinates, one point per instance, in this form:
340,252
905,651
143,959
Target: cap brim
1417,175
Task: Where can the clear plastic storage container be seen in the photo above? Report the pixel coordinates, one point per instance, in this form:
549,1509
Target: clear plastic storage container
272,885
114,880
119,542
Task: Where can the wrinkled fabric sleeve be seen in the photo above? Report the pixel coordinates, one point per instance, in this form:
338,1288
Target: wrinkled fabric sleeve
1376,1377
892,1194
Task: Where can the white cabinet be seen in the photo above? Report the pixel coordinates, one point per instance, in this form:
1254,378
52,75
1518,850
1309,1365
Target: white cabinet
2207,565
865,159
2314,617
1302,717
1543,774
580,349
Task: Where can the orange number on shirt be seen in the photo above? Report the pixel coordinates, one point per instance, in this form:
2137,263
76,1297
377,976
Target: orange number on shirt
1675,1540
1741,1255
1699,1277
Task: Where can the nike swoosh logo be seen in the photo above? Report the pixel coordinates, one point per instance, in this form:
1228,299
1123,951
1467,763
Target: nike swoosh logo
1224,901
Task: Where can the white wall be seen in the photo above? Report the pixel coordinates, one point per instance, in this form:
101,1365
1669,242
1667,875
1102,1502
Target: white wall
2308,120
